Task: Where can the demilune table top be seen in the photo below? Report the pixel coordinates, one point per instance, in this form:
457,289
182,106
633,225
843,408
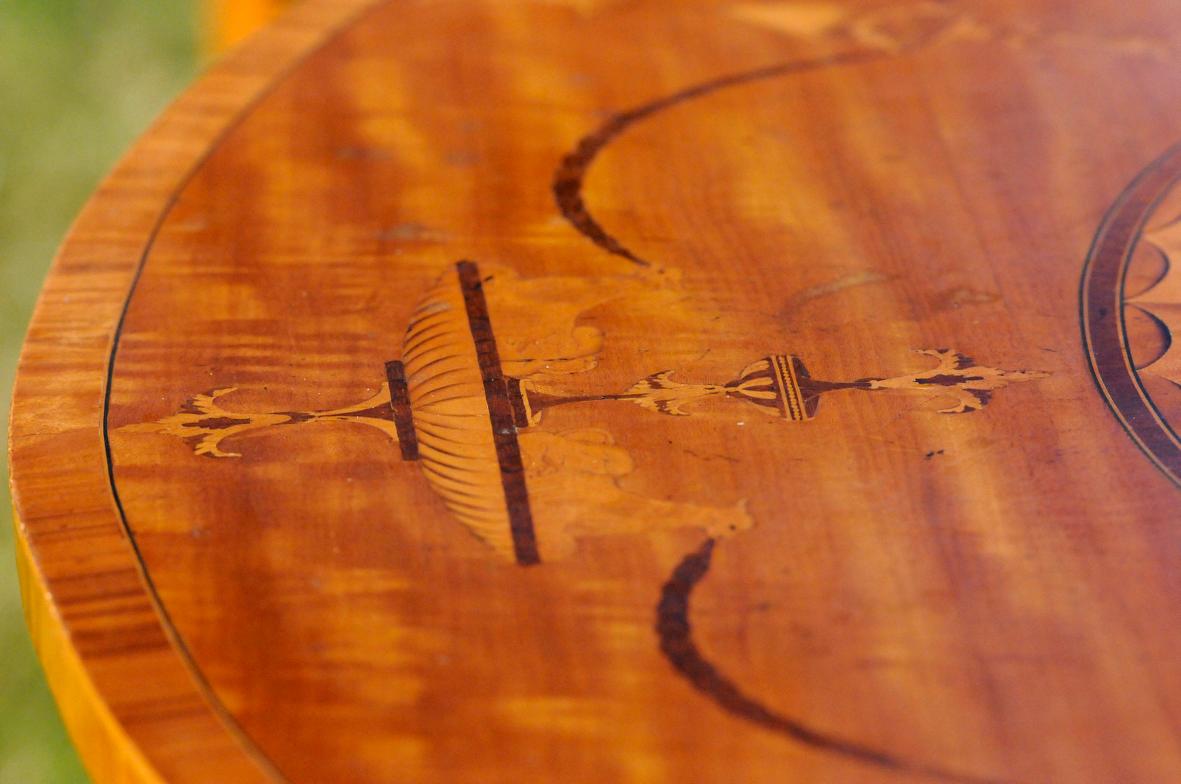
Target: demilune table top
611,391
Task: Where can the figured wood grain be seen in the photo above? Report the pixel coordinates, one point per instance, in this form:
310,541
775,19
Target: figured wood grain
110,754
135,706
598,391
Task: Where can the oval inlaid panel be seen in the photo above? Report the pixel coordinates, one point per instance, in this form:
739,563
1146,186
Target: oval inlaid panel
591,391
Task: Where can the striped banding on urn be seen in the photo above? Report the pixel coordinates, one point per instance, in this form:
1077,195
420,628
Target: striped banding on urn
775,382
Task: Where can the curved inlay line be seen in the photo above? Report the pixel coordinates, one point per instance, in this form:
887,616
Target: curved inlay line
571,172
1101,311
672,615
677,645
250,747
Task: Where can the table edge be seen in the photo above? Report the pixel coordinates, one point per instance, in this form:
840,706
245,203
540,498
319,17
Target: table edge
70,537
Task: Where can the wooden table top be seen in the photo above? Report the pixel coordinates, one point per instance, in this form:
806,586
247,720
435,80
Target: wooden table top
625,391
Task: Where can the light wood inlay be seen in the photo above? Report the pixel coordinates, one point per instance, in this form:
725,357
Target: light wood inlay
608,391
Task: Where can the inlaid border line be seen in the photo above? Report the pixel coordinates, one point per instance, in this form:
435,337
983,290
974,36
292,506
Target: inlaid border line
204,687
1101,313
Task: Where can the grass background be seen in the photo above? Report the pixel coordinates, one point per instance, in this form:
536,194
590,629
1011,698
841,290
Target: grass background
79,80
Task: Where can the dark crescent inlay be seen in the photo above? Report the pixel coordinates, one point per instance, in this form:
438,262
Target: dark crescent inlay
677,645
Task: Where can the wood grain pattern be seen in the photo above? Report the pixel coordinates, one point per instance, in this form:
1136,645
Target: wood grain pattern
106,634
591,390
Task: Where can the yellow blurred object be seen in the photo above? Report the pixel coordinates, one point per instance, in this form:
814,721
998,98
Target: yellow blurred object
231,21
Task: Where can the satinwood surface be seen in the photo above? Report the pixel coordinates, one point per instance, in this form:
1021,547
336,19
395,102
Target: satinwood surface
610,391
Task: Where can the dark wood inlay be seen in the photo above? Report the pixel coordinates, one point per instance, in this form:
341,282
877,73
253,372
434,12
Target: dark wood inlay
572,170
500,412
678,646
1101,303
395,373
516,396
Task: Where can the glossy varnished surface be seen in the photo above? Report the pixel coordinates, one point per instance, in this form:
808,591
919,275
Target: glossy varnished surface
607,391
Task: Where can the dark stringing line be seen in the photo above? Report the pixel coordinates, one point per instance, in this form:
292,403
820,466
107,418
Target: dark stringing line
202,683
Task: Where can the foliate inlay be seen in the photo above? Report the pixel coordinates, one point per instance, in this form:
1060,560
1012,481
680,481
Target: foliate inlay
469,405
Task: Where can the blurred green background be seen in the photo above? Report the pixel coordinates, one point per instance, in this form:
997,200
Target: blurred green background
79,80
